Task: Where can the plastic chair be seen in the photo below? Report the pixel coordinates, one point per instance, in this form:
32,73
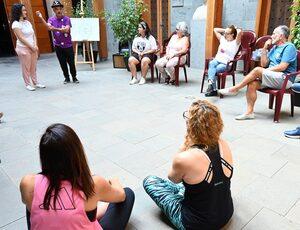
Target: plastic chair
247,42
230,71
178,66
279,93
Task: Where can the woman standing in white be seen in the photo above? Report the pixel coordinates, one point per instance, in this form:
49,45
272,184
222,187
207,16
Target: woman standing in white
143,52
26,46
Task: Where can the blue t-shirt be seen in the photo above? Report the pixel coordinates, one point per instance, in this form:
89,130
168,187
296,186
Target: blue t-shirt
284,53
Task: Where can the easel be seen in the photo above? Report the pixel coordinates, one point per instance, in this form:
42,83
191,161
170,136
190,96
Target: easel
86,45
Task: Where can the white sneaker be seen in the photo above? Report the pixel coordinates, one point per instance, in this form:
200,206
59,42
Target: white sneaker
142,81
38,85
30,88
245,117
226,92
133,81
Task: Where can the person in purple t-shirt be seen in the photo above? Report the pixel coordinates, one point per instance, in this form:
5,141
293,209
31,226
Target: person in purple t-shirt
60,25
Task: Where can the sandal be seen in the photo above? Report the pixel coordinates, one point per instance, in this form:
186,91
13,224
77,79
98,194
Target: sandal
167,80
172,82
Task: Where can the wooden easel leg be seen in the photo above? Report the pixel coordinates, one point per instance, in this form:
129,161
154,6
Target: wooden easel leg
88,51
76,53
83,49
92,55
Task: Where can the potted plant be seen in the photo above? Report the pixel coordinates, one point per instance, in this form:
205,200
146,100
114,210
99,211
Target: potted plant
124,23
88,13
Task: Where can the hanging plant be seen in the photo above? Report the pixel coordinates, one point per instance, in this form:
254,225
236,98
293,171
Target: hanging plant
296,30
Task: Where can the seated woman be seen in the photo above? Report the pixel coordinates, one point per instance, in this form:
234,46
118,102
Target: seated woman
178,44
204,166
144,48
230,41
66,194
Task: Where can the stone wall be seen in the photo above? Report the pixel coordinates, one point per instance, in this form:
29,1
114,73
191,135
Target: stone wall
184,13
112,43
241,13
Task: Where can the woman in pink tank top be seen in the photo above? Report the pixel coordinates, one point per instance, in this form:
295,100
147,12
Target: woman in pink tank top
66,194
178,45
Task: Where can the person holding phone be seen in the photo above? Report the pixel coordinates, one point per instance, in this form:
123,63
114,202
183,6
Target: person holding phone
26,46
60,25
281,60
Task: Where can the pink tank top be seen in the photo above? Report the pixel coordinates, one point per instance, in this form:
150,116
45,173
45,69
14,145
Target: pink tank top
69,214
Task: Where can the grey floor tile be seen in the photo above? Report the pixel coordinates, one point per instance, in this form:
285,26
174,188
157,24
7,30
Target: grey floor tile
268,219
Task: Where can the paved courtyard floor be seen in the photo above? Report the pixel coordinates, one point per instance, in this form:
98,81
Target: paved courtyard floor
133,131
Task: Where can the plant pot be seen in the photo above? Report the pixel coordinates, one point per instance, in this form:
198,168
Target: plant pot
126,63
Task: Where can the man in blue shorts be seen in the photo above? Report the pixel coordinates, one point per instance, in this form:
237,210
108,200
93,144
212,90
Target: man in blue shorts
280,60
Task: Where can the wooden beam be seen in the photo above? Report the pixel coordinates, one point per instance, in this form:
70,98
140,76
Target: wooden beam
147,14
159,21
214,19
262,17
99,8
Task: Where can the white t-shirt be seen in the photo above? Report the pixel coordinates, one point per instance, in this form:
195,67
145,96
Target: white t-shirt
144,44
27,30
227,50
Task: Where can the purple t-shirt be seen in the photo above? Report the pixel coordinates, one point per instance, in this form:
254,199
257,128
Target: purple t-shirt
62,40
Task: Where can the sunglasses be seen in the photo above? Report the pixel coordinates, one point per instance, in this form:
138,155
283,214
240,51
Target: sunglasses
185,115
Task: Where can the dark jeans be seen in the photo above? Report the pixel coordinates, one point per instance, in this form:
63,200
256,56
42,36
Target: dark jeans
66,56
116,216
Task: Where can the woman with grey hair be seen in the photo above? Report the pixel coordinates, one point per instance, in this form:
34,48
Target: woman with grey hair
178,44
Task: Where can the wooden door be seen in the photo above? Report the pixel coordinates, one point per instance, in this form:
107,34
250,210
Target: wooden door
163,24
280,14
43,35
6,44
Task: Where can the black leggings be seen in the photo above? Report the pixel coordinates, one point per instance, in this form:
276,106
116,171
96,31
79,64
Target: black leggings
116,216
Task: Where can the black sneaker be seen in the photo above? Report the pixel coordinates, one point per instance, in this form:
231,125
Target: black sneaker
213,93
75,80
210,88
66,81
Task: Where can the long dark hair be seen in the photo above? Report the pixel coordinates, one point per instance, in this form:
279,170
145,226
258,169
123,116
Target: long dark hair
62,158
146,28
16,12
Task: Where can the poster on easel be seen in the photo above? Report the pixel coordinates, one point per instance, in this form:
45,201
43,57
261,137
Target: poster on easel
85,29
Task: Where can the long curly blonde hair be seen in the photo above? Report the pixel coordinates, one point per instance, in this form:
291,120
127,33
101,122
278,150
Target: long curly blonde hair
204,125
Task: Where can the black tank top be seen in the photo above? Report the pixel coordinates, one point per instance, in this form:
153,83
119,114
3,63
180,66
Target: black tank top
208,205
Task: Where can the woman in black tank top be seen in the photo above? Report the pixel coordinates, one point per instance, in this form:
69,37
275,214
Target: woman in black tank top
197,194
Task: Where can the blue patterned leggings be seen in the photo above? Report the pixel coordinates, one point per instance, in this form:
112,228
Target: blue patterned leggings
168,196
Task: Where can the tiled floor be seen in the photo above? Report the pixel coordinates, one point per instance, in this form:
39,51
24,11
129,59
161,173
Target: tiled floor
133,131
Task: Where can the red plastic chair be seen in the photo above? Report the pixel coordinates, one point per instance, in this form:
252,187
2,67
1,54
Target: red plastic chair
279,93
247,42
260,42
230,71
178,66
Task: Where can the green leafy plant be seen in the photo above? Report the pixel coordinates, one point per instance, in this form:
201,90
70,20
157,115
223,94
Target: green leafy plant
126,54
87,10
124,23
296,30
